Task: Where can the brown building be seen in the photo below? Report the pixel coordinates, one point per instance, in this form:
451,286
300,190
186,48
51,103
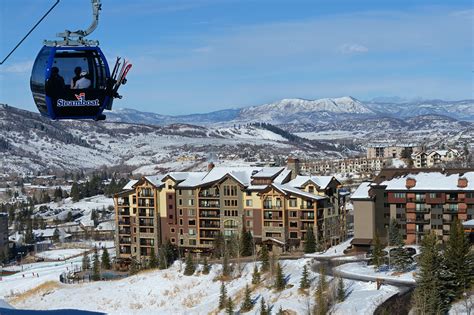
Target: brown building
422,200
191,208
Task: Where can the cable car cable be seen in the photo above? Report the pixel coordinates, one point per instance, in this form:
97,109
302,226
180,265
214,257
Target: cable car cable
31,30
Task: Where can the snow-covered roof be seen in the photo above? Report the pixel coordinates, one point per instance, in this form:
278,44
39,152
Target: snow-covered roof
281,177
320,181
431,181
362,192
155,179
469,224
285,188
106,226
130,184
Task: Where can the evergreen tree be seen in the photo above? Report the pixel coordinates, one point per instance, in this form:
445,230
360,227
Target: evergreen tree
310,241
218,245
255,275
377,253
323,283
341,291
205,267
263,307
264,258
190,267
222,297
29,236
280,311
229,307
96,266
280,278
246,246
401,259
394,237
86,263
75,192
105,264
162,259
427,295
304,282
226,269
56,236
459,261
153,262
247,304
69,217
134,267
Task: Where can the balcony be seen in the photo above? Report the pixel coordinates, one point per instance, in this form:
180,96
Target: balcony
209,204
307,217
124,222
145,222
146,242
451,198
208,234
307,206
124,241
146,203
270,207
124,212
207,194
211,225
209,214
124,231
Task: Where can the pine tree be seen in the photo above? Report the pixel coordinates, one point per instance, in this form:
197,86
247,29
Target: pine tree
153,261
226,269
280,311
105,259
86,263
321,302
75,192
96,266
280,278
190,267
304,282
377,254
310,241
427,295
205,267
459,261
162,260
341,291
255,275
264,258
394,237
263,307
323,283
401,259
246,246
134,267
247,304
218,245
229,308
223,296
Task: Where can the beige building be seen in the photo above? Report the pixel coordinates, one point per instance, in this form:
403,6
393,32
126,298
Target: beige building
190,209
345,166
392,150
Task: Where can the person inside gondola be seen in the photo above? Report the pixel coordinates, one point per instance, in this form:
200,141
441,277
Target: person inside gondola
55,84
84,82
77,72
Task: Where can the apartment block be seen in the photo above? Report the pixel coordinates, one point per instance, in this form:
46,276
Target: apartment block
422,200
190,209
392,150
434,158
353,165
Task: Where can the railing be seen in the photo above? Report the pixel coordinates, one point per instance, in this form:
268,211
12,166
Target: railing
310,207
272,217
307,217
209,205
124,241
270,207
208,195
126,222
124,231
209,225
124,212
205,214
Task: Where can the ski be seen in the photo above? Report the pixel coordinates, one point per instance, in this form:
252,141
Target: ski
122,79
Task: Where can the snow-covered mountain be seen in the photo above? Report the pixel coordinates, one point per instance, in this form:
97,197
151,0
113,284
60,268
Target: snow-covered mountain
300,111
30,143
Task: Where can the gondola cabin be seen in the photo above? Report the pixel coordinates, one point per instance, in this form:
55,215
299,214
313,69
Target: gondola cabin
55,87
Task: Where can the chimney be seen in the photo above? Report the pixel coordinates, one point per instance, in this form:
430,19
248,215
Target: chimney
293,164
411,182
210,166
462,182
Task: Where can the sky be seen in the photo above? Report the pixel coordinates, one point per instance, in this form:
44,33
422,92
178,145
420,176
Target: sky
197,56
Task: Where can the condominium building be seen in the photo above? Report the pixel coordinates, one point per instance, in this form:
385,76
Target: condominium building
422,200
392,150
434,158
191,208
345,166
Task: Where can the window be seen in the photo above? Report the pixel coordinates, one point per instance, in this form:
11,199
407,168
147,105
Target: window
170,187
249,203
192,242
192,222
248,193
435,195
180,211
293,234
248,213
399,195
249,223
180,202
170,196
311,189
293,214
173,240
180,221
192,232
170,207
172,230
293,224
191,212
180,192
191,202
292,202
181,241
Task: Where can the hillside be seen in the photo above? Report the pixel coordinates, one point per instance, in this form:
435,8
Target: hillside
30,143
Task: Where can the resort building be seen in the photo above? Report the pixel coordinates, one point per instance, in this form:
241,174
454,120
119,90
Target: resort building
190,209
422,200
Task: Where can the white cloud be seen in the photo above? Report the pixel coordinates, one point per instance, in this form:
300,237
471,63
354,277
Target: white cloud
353,48
18,67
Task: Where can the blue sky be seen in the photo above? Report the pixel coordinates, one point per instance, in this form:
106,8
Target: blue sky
204,55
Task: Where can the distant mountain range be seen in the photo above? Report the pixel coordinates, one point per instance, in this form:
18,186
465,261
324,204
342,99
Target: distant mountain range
300,111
